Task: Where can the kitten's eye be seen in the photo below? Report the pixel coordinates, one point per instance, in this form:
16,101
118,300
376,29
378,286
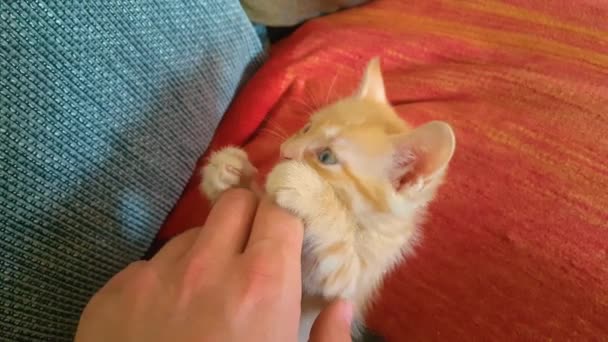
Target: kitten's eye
327,157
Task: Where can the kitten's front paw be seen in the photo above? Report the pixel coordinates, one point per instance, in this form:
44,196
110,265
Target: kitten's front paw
227,168
296,187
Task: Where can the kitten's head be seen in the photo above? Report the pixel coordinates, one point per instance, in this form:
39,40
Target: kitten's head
371,157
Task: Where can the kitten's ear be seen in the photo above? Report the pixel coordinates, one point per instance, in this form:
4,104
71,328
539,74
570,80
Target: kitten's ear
372,85
423,154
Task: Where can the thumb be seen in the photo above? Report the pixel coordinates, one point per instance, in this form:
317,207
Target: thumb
333,323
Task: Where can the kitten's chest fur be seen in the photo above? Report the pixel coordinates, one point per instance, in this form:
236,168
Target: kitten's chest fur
352,263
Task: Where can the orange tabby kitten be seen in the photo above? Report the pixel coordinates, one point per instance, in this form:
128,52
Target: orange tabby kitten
360,178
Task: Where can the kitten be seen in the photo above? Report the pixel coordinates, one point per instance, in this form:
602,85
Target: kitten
360,178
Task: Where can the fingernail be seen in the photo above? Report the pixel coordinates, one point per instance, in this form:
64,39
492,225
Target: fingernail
347,312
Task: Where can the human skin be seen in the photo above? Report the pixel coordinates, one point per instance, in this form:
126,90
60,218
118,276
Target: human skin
237,278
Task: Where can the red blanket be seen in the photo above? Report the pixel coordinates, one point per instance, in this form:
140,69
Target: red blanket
516,246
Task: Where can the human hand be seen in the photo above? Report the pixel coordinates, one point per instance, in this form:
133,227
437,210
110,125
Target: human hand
236,279
333,323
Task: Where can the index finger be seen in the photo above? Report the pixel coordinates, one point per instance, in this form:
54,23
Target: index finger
276,231
227,226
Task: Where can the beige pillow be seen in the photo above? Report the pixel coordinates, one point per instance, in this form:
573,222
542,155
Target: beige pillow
292,12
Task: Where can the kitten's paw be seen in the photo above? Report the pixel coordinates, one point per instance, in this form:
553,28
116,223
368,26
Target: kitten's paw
296,187
227,168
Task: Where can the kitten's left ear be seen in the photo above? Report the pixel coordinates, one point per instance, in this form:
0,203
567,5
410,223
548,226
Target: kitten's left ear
422,155
372,85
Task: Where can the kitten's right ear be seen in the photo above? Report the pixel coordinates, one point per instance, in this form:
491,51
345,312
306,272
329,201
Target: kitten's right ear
372,85
423,154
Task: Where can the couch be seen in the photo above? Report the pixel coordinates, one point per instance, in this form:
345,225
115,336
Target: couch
105,108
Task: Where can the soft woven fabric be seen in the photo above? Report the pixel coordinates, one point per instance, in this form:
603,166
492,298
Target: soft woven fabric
292,12
516,245
106,105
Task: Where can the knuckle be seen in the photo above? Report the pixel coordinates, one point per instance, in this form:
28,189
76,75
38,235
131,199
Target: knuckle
143,276
194,269
261,266
142,280
124,277
259,278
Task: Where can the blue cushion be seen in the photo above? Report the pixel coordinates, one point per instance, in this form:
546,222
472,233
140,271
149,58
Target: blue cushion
105,107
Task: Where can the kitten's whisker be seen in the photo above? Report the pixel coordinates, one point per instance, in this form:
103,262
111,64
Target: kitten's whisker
314,100
280,130
272,134
331,87
307,106
302,118
275,132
